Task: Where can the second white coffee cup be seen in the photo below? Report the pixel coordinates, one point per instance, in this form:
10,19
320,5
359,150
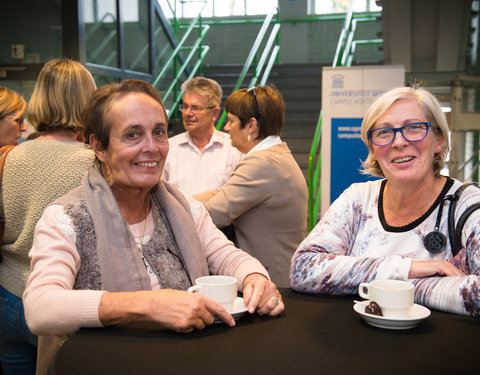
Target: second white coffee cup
395,297
222,289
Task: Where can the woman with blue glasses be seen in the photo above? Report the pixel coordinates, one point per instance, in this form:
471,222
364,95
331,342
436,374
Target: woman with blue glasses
397,227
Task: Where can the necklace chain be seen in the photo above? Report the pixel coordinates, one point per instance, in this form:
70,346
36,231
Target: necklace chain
140,244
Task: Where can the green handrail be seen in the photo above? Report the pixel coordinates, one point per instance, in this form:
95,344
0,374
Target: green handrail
177,50
249,60
349,43
343,36
345,50
314,190
263,58
146,48
194,70
172,61
268,69
184,66
355,43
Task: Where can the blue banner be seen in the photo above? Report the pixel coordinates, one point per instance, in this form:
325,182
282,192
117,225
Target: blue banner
348,152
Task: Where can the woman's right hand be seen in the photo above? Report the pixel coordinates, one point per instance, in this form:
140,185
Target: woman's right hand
174,309
427,268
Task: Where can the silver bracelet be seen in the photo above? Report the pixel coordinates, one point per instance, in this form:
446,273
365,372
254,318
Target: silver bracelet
253,278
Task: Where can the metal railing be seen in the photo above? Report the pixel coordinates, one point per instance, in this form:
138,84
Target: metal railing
197,49
344,53
259,67
103,44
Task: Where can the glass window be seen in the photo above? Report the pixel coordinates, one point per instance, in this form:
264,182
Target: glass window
341,6
253,7
101,42
227,8
216,8
106,10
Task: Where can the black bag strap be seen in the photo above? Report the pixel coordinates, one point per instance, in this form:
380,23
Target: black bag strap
455,232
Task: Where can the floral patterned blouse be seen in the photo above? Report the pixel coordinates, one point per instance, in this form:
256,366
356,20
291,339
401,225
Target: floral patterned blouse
352,244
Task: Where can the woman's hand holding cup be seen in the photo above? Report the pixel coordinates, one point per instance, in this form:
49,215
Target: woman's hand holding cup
261,295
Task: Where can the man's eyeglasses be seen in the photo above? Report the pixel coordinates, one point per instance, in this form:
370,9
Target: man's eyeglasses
194,108
259,113
413,132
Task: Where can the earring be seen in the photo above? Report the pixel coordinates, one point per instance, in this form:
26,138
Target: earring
249,138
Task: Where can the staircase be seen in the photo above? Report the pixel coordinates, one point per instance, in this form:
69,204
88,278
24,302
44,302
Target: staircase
300,85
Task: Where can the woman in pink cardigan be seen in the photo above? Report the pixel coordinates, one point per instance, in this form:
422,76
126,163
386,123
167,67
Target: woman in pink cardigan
122,247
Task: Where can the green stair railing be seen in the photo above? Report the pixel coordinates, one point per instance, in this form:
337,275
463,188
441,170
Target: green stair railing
346,48
268,50
173,60
197,49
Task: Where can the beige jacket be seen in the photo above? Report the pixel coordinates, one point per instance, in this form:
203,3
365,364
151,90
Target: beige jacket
266,201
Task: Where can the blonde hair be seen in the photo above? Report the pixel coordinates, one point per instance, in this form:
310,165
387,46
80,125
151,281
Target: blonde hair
204,86
61,93
10,102
433,112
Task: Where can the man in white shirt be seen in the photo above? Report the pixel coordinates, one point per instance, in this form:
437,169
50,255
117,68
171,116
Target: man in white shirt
202,158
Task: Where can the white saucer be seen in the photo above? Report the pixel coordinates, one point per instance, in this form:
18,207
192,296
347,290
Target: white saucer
417,314
239,309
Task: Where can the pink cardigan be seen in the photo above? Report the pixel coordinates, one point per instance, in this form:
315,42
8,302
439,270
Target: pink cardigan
53,307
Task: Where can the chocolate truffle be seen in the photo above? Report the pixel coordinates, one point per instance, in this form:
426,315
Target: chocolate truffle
374,309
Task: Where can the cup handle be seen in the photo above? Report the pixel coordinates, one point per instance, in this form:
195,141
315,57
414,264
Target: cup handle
363,290
193,289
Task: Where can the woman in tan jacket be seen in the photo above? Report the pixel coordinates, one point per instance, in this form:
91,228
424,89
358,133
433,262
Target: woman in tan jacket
266,197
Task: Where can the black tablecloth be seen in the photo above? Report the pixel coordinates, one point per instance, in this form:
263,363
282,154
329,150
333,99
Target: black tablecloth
315,335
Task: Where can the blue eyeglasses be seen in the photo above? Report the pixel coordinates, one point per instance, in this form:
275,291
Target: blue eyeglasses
414,132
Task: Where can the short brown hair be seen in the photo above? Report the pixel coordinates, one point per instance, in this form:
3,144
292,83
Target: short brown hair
60,95
270,104
96,115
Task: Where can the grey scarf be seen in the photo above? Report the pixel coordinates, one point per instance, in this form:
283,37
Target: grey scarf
120,266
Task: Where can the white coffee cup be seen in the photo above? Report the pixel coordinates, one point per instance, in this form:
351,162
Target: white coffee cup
395,297
222,289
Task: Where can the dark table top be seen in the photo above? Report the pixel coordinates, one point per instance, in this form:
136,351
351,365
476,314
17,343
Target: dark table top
315,335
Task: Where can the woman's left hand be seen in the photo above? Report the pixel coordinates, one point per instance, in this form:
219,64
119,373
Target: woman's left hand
429,268
261,295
